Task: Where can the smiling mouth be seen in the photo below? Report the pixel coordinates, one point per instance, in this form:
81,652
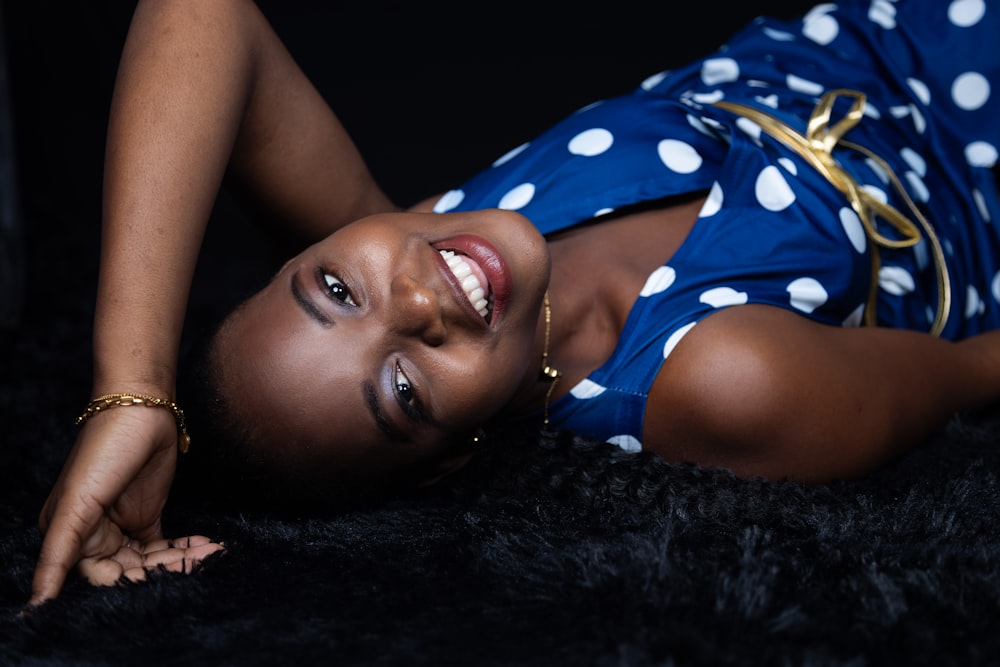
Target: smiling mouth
473,281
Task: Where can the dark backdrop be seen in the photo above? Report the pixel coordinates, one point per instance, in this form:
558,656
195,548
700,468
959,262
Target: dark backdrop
547,551
430,91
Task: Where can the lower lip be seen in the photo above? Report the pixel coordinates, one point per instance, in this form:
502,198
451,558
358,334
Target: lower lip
492,263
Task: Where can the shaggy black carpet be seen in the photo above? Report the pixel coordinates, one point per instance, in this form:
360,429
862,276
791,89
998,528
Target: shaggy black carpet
548,549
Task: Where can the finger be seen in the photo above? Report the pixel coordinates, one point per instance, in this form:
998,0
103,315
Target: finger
182,561
59,553
170,558
101,571
176,543
50,574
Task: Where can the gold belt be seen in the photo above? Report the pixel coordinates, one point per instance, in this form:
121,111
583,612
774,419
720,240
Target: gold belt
816,147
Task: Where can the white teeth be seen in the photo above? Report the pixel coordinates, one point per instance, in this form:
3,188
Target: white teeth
475,292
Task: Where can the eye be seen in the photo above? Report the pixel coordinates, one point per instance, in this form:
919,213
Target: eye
338,290
406,394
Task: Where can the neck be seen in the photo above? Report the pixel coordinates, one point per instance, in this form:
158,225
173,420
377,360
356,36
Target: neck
564,348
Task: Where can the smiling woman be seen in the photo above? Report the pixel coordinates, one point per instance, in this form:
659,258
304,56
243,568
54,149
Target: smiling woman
374,322
779,259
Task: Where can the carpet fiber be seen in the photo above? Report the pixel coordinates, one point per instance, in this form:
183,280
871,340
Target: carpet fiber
547,550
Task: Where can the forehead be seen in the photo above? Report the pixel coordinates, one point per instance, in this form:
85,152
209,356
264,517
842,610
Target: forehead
304,392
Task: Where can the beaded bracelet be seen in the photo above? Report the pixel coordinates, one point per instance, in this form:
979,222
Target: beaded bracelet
102,403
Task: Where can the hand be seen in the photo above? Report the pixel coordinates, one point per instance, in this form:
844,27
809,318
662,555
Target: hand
134,559
113,487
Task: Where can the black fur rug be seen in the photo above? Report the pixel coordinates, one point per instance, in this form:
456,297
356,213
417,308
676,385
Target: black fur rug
548,550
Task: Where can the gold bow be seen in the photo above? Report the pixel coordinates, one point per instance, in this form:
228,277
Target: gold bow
816,147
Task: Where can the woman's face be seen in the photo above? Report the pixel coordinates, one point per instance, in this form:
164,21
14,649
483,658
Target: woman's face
375,348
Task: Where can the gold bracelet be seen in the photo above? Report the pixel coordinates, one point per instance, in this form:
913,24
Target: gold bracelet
102,403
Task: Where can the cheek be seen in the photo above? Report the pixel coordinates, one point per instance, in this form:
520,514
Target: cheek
480,384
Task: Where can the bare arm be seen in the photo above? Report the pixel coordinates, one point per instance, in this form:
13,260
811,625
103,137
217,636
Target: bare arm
199,83
203,86
764,391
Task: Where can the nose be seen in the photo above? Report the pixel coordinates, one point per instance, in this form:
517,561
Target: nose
415,310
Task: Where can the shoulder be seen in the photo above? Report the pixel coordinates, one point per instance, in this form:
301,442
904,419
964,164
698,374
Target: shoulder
730,394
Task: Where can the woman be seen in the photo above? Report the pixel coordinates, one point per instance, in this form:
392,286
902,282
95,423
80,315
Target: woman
681,270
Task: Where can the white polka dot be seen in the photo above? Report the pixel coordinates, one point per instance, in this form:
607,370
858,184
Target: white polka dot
679,156
653,81
910,110
895,280
779,35
675,338
789,165
603,211
879,171
591,142
768,100
511,154
876,192
749,128
806,294
919,89
772,190
717,126
658,281
518,197
708,98
820,28
980,200
973,305
448,201
801,85
965,13
713,203
586,389
900,111
853,228
995,287
720,297
914,159
883,14
856,317
981,154
700,125
719,70
970,90
629,443
918,189
918,120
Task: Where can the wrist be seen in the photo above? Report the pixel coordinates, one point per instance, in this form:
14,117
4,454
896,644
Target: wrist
106,402
135,375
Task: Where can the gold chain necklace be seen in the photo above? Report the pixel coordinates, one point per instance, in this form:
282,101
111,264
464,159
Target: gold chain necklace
549,374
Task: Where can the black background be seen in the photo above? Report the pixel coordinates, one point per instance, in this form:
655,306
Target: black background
430,92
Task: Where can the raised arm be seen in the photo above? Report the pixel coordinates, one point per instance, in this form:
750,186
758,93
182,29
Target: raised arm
204,86
764,391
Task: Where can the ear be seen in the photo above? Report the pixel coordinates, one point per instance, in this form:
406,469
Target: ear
446,466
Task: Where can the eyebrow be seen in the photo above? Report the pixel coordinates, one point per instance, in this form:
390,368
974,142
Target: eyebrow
375,407
307,304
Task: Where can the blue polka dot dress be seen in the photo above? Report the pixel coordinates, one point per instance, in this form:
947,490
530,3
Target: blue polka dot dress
773,230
